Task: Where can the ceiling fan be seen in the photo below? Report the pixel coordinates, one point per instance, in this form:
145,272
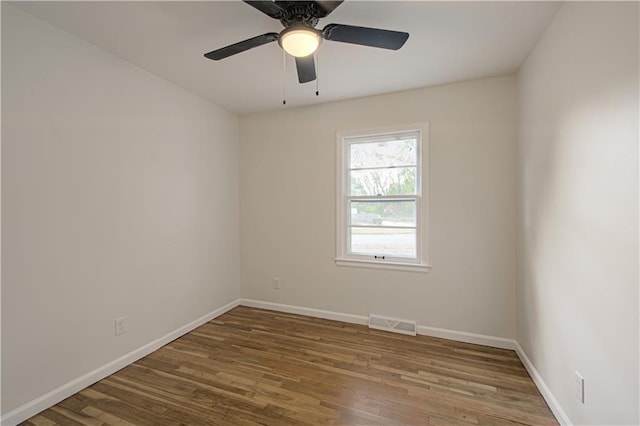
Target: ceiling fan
301,39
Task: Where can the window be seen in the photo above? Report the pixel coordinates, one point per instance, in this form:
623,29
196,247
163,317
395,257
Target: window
382,198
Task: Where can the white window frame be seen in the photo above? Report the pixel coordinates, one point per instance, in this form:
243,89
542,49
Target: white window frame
343,257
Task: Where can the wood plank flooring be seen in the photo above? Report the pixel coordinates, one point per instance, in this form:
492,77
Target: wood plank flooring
252,366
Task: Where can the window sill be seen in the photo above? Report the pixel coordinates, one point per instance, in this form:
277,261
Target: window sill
395,266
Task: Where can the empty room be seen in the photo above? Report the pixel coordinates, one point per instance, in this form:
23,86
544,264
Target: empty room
320,212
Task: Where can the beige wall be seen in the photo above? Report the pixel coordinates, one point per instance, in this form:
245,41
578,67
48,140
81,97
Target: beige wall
288,184
119,197
577,294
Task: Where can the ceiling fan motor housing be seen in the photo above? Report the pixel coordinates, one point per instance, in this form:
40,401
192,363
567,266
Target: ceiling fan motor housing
299,13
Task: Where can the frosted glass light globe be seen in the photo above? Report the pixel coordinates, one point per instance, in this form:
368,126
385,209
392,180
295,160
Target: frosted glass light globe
299,42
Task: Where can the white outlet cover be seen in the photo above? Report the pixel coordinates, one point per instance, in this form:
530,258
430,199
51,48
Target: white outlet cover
579,387
120,325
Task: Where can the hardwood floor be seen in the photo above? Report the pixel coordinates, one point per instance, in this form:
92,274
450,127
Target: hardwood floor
251,366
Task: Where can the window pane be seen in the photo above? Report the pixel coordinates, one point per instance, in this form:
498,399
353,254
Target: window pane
398,181
385,213
391,153
383,242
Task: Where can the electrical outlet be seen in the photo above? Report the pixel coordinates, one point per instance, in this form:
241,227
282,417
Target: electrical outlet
579,387
276,283
121,325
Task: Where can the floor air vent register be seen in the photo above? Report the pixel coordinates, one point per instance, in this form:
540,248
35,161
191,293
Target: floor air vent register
394,325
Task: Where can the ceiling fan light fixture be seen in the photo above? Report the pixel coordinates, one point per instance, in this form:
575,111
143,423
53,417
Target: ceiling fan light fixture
299,41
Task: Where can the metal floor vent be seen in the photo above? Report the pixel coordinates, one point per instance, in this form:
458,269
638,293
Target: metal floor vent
395,325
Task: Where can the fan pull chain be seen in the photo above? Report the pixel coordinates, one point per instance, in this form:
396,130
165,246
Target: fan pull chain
317,75
284,77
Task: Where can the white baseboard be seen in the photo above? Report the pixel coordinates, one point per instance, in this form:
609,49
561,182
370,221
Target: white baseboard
551,400
460,336
463,336
37,405
310,312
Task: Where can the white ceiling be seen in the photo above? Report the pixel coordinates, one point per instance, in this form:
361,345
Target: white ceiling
449,42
